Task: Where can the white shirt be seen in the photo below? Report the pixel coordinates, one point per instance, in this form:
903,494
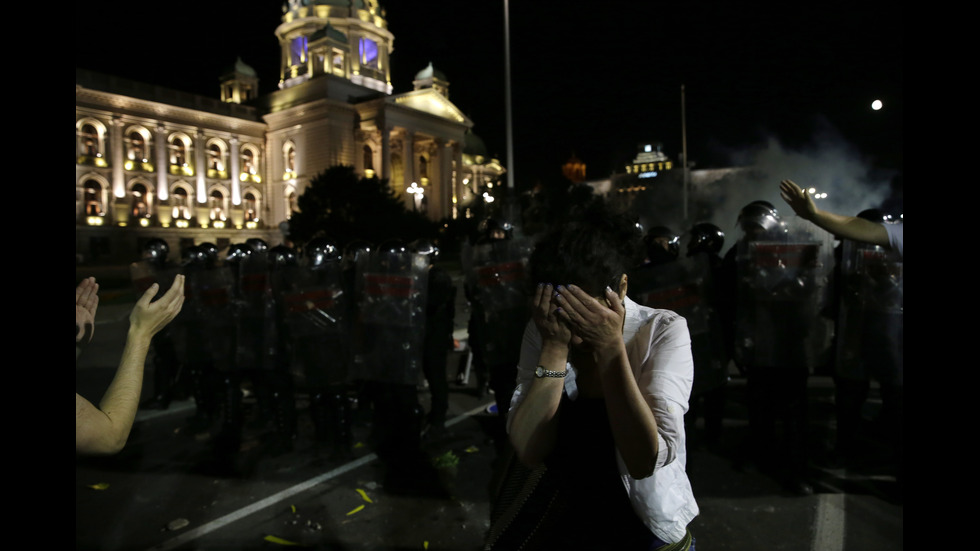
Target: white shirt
896,237
658,346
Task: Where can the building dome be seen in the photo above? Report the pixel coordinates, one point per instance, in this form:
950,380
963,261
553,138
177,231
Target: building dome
240,68
430,72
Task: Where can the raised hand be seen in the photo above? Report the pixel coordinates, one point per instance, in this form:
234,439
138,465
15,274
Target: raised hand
86,303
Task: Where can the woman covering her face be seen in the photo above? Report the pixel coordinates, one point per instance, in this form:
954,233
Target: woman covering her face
603,384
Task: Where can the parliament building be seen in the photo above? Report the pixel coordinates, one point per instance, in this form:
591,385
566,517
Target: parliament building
155,162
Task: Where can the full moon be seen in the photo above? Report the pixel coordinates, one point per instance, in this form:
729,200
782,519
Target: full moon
876,104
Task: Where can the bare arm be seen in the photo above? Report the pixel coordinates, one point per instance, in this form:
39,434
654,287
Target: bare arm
633,423
104,430
847,227
534,423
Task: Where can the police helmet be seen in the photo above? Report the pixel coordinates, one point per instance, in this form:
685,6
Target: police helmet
758,215
425,247
156,250
282,255
662,244
705,238
321,250
237,253
194,255
210,252
258,245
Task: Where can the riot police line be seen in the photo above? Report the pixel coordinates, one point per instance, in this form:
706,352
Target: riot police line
328,322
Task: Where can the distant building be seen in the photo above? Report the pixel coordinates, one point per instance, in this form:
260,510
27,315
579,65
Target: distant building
154,162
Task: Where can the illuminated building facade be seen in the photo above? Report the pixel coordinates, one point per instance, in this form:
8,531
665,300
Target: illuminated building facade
650,161
153,162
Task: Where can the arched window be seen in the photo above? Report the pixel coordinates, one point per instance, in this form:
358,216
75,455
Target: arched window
92,198
289,161
178,152
251,207
181,202
216,204
248,162
90,141
137,147
291,205
139,202
368,50
90,137
215,161
368,158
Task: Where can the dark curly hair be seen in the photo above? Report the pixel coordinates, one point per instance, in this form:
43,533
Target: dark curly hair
593,248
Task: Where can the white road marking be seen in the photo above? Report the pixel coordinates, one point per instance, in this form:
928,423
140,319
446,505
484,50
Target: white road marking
828,526
284,495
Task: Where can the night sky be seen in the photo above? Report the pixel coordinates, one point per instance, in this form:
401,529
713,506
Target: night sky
589,79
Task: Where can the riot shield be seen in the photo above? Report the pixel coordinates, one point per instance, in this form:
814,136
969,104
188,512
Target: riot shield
255,316
496,282
870,328
683,287
679,286
779,289
313,308
212,291
390,325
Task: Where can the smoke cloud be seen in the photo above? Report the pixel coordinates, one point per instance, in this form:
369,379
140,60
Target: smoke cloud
827,162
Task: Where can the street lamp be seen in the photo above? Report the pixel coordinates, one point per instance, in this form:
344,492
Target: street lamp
418,193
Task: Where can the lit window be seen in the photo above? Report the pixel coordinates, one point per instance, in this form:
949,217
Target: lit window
138,202
93,199
368,50
181,204
248,162
214,158
250,204
137,147
368,158
89,141
178,152
216,204
297,51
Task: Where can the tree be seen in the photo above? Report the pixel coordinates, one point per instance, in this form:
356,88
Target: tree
344,207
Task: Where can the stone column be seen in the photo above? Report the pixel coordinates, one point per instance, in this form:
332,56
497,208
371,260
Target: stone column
162,162
118,158
236,181
200,167
385,151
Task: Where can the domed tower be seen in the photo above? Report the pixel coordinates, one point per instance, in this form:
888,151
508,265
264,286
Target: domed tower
431,78
239,83
321,37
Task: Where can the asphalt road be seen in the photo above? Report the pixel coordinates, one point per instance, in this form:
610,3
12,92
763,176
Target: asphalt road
166,491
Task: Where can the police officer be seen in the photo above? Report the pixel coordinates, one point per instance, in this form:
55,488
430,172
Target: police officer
710,359
496,287
389,335
870,334
317,328
440,311
777,273
205,331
